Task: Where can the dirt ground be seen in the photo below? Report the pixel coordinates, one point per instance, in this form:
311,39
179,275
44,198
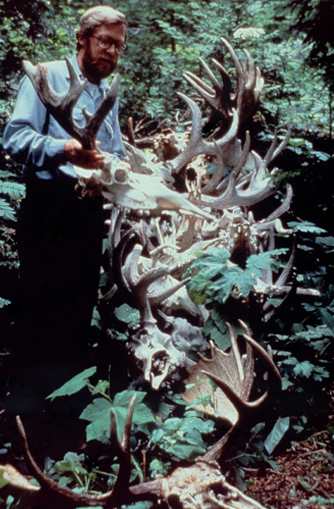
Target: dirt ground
305,478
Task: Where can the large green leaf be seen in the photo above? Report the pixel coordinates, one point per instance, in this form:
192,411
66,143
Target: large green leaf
98,414
213,262
74,385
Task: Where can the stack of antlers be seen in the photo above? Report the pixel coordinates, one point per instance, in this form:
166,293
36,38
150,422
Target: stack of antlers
154,234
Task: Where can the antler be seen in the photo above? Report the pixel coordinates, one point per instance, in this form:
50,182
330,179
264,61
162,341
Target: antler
54,495
234,377
252,187
61,105
220,97
197,145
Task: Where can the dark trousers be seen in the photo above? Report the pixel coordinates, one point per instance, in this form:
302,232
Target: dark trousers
59,240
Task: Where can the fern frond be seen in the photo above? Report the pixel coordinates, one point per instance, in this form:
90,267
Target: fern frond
6,211
14,190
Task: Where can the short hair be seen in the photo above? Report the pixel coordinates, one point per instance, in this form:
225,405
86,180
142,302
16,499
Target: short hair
97,16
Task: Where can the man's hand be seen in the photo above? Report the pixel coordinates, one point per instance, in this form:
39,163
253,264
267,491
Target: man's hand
88,159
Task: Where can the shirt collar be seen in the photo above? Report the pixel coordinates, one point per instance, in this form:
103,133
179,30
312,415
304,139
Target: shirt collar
74,61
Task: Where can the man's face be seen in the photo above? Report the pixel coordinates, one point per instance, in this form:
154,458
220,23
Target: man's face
98,63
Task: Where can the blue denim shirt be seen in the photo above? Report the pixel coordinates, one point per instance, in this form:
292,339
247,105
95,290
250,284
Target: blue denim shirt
34,138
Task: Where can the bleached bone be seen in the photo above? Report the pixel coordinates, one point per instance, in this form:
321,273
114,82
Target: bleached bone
200,485
61,105
139,193
220,97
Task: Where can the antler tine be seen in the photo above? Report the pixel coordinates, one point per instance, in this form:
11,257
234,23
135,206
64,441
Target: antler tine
198,84
213,95
269,155
251,71
61,105
131,264
235,351
120,280
230,196
54,493
196,144
274,376
147,279
216,85
218,175
125,443
284,143
123,448
154,301
273,152
95,121
242,406
284,207
237,65
227,85
286,273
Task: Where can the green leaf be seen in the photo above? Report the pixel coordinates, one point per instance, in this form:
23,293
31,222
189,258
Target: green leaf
74,385
72,462
4,302
306,227
183,437
276,434
101,387
6,211
98,414
304,368
14,190
128,315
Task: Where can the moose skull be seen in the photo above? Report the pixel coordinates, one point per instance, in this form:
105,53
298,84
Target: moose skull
157,354
134,191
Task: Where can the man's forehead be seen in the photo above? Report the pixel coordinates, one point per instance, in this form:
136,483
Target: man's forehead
112,30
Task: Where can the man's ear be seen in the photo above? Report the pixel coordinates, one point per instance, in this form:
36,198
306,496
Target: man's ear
81,40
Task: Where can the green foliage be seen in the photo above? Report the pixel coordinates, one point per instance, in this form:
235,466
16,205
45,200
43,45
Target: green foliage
217,279
6,211
74,385
183,437
98,414
127,315
255,450
316,18
11,193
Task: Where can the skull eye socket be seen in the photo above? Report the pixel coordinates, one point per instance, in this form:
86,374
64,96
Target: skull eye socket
174,502
121,175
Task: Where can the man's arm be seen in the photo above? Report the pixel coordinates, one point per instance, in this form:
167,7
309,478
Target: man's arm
24,138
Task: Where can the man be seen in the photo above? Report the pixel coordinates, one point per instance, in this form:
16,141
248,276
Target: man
59,235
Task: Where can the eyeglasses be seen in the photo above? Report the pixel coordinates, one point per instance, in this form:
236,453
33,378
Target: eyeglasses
105,42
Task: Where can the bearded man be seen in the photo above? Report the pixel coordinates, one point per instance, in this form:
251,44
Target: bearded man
59,235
